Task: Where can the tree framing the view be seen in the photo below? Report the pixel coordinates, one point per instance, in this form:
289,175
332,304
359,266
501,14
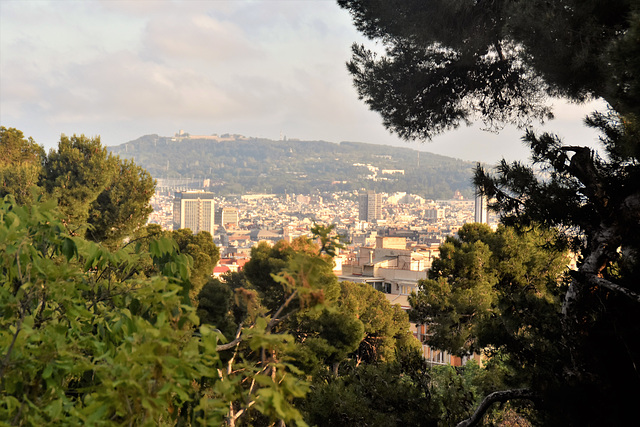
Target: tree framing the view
104,321
448,63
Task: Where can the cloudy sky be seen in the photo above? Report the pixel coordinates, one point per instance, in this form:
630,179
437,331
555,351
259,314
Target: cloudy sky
264,68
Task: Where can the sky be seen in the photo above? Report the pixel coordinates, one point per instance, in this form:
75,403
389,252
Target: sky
265,68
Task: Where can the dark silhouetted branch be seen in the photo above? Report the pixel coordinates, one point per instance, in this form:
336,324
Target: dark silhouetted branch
498,396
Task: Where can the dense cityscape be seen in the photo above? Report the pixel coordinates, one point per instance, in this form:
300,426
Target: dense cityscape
390,241
255,281
423,222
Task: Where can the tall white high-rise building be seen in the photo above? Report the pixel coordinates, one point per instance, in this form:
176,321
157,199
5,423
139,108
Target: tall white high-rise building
194,210
481,212
369,206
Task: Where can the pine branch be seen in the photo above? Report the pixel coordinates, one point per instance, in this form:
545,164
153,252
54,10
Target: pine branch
275,320
614,287
498,396
605,241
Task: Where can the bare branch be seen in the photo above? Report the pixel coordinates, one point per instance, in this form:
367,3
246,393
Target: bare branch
497,396
604,283
274,320
5,362
233,343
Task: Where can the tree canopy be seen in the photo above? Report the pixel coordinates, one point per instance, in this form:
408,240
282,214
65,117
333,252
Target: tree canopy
92,336
84,338
486,285
96,329
107,331
356,321
355,326
499,294
20,164
102,196
448,63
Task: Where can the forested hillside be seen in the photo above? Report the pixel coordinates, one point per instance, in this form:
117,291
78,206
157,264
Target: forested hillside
262,165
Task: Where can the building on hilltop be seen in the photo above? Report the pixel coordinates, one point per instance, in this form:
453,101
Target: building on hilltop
194,210
369,206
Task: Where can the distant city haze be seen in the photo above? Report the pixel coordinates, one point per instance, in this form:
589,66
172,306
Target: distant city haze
264,69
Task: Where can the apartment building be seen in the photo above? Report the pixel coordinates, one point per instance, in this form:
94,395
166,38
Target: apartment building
226,215
369,206
194,210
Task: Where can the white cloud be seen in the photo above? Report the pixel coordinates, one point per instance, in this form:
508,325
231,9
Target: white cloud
199,39
128,68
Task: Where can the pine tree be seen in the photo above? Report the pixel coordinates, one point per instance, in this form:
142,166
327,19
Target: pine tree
448,63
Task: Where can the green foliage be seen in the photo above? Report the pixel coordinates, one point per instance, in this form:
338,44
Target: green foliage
372,395
215,307
304,284
359,327
265,261
202,250
358,322
453,394
84,339
457,391
20,164
265,272
75,175
255,379
329,241
448,63
595,202
329,327
493,291
16,149
199,248
100,195
89,336
385,325
123,205
326,340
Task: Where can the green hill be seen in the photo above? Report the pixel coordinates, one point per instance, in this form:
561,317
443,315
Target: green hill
291,166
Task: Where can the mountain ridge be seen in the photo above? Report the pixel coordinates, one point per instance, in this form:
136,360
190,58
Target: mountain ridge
244,164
